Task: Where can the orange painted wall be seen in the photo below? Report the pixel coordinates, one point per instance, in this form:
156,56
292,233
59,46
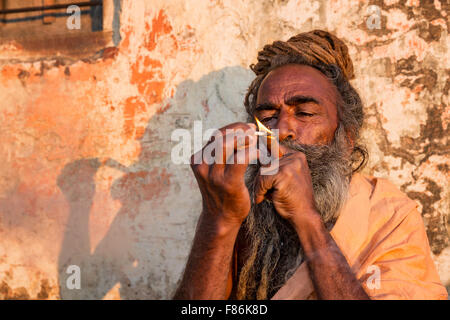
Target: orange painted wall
86,176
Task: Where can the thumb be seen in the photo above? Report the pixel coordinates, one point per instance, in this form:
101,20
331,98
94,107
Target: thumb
263,185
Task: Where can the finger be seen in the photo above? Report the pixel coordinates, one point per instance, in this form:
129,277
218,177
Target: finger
270,177
245,155
290,159
228,147
198,166
273,146
232,138
237,126
223,148
215,148
263,184
272,150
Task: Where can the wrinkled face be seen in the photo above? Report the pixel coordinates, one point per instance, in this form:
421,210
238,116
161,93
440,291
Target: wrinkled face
300,102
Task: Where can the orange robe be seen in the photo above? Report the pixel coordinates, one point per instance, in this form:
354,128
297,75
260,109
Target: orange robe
381,234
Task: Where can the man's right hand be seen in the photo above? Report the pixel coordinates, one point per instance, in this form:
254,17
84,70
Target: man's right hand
226,199
226,204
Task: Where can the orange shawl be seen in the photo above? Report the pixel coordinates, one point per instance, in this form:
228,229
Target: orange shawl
379,231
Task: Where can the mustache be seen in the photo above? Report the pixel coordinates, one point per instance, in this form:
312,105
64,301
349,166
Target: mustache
320,156
297,146
312,151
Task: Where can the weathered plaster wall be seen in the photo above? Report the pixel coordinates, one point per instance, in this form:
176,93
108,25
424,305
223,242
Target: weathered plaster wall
86,176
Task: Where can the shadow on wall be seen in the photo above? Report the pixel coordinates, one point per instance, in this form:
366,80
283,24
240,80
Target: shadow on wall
138,251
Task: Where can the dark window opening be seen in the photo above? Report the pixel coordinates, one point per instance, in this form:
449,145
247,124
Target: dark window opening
31,29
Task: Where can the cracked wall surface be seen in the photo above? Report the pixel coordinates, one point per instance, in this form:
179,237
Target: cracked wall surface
86,176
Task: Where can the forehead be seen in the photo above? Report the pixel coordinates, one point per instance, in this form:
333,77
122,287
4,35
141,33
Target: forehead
295,79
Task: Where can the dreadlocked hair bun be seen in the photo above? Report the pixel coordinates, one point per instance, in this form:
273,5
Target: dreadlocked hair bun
316,47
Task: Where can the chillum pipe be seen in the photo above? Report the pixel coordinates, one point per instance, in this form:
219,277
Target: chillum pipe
52,7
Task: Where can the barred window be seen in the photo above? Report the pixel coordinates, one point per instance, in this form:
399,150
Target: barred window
31,29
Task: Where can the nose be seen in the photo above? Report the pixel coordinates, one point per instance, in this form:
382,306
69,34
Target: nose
285,126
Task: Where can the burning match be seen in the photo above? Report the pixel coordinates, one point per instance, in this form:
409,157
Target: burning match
266,132
263,130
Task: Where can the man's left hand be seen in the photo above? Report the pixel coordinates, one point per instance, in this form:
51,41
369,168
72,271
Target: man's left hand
290,189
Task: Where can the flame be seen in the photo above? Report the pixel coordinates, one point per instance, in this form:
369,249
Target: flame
262,127
271,137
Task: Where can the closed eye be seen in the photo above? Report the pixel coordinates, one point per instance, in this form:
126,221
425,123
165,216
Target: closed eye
305,114
266,119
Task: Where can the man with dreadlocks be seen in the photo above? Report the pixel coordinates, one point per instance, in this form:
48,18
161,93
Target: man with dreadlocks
317,228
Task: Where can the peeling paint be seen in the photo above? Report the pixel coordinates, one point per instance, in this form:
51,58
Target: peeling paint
86,174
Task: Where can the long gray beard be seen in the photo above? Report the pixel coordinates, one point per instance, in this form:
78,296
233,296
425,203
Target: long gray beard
275,251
